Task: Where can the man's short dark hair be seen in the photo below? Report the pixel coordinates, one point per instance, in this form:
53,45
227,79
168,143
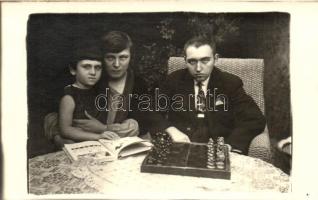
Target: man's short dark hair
198,41
115,42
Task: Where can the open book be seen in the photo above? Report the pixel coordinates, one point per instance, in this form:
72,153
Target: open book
106,150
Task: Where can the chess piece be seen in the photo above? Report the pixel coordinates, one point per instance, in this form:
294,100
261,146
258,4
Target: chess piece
220,141
220,165
210,155
211,166
162,142
220,156
210,162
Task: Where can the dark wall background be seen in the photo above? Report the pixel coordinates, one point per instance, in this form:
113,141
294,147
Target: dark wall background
156,36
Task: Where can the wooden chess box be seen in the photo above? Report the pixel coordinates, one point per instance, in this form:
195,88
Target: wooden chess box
186,159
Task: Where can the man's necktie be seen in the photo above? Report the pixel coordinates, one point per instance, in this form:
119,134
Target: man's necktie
200,132
201,99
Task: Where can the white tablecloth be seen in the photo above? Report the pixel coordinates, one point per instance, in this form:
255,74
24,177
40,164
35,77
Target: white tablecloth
55,174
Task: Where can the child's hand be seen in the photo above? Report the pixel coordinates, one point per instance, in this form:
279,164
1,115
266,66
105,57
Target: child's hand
109,135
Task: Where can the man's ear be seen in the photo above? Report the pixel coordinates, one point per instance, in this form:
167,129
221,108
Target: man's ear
72,70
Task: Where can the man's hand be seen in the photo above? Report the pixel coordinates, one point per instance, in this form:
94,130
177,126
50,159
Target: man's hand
91,124
109,135
177,136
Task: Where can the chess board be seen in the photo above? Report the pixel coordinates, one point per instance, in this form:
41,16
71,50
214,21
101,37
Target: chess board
187,159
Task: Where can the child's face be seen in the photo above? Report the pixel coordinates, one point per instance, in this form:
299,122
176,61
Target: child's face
87,73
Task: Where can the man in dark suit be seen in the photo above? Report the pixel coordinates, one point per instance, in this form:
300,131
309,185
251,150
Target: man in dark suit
206,102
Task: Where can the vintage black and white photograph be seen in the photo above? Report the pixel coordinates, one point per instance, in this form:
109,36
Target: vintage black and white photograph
131,100
181,102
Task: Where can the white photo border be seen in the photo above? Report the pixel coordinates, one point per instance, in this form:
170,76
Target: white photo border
303,72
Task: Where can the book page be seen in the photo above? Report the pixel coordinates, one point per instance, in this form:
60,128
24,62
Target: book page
89,149
135,149
118,145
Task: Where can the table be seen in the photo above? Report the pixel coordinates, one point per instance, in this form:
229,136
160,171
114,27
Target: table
54,174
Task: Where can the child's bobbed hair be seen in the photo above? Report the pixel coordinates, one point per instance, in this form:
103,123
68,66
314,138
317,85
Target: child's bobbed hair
86,50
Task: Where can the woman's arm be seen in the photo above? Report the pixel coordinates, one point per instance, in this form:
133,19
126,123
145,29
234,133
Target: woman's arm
67,106
127,128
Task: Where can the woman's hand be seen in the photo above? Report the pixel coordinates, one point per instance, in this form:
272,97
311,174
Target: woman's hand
109,135
91,124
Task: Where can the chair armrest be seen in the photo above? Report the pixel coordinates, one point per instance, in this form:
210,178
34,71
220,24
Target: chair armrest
260,147
52,131
51,127
285,145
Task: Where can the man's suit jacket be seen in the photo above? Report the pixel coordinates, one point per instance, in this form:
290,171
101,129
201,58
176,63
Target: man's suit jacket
242,121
